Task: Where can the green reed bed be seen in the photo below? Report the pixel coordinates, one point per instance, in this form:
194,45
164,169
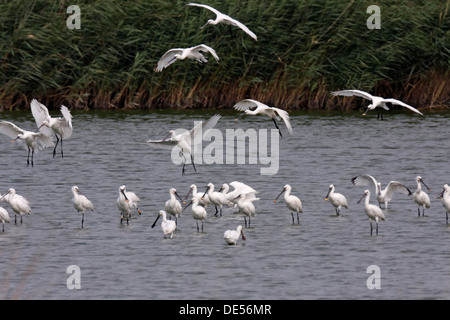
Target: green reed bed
304,50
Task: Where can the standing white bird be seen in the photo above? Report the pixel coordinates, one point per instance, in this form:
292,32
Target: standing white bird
61,127
253,107
232,236
383,196
372,211
420,197
19,204
223,18
338,200
193,53
34,141
445,200
186,140
81,203
4,217
202,198
292,202
377,102
217,198
126,202
198,211
173,206
246,206
168,226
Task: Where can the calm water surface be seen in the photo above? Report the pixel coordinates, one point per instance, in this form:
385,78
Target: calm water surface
325,257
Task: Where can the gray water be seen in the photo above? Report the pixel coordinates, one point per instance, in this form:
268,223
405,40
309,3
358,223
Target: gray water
324,257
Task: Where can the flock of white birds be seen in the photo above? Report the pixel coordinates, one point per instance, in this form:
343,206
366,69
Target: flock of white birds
243,196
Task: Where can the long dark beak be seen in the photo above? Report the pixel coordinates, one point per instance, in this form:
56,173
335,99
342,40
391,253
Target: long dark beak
204,25
326,197
365,112
187,196
421,180
364,195
167,137
207,188
154,223
440,195
279,195
126,198
239,117
242,234
187,205
184,202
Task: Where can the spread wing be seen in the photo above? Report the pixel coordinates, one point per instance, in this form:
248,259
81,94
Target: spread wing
285,116
202,128
400,103
365,180
395,186
10,129
40,114
247,104
167,59
205,48
349,93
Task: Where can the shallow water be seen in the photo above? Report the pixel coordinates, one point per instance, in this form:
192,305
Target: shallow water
325,257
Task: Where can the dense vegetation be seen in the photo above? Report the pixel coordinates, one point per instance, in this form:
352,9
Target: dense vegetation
304,50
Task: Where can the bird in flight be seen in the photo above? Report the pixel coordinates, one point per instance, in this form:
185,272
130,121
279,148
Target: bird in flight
377,102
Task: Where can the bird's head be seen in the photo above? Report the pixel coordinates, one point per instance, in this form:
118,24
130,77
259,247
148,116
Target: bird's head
210,21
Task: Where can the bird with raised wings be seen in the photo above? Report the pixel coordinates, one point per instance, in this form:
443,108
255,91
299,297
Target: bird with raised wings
193,53
34,140
186,140
223,18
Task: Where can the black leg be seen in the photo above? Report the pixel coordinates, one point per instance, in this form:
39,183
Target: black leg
82,220
377,228
32,157
371,228
28,157
197,226
292,215
56,144
298,219
192,161
62,155
276,125
418,211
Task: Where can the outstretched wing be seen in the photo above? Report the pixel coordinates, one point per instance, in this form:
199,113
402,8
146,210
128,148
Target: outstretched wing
247,104
167,59
162,144
395,186
365,180
197,133
400,103
10,129
40,114
349,93
217,12
205,48
244,28
285,116
67,115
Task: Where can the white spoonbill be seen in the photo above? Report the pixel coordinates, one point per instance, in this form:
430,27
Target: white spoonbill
240,188
126,202
377,102
61,127
292,202
173,206
217,198
383,196
193,53
223,18
338,200
246,206
372,211
198,211
202,198
4,217
19,204
232,236
420,197
34,141
445,200
168,226
186,140
253,107
81,203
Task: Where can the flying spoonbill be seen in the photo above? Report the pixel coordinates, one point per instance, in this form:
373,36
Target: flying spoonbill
377,102
168,226
232,236
420,197
383,196
4,217
292,202
445,200
33,140
81,203
253,107
126,202
193,53
186,140
19,204
61,127
223,18
338,200
372,211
